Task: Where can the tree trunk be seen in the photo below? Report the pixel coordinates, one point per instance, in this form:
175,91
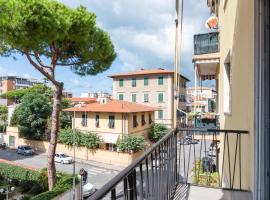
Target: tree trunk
57,97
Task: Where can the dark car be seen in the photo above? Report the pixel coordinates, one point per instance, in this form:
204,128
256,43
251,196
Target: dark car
24,150
3,145
208,165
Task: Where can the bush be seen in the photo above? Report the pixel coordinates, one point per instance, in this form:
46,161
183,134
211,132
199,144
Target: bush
18,173
131,143
88,140
157,132
64,184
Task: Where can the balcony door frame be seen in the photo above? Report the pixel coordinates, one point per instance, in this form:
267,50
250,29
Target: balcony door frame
262,100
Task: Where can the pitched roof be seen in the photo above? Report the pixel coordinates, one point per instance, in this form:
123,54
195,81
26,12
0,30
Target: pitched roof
79,99
146,72
113,106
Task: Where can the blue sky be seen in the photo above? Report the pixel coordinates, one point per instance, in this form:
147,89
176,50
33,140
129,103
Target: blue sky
143,34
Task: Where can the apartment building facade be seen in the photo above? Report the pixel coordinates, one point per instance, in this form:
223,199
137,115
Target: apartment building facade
9,83
201,99
237,57
151,87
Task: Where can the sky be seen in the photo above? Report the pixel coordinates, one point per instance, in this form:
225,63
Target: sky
142,32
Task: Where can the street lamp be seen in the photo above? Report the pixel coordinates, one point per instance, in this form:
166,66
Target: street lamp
6,191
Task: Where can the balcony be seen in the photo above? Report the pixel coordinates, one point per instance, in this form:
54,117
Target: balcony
185,164
206,43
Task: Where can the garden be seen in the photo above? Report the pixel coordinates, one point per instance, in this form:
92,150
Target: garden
26,184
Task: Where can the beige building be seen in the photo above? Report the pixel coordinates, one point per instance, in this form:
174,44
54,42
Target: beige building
237,57
151,87
113,119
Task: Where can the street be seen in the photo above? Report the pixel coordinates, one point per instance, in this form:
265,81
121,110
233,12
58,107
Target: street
97,175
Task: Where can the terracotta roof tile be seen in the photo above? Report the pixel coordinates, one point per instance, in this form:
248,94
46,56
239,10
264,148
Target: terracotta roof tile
146,72
114,106
79,99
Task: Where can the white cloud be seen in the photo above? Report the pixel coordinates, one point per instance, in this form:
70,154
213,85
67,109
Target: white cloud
6,72
143,30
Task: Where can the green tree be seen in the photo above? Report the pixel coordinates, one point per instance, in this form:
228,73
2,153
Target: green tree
157,132
32,115
3,113
131,143
17,95
50,34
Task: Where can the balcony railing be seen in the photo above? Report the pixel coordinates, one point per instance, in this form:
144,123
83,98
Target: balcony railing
185,156
206,43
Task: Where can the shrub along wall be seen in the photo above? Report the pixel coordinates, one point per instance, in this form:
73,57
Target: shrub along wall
34,184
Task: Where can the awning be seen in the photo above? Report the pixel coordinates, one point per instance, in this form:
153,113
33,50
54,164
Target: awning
109,137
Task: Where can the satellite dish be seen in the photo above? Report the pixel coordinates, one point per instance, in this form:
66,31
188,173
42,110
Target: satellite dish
211,22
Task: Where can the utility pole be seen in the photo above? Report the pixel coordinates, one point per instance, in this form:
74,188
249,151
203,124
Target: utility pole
177,58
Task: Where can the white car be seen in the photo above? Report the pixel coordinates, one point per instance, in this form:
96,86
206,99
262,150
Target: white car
88,190
63,158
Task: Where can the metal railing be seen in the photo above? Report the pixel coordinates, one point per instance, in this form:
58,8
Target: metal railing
182,156
206,43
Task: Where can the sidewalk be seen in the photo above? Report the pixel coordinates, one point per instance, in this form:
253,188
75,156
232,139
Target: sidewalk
96,164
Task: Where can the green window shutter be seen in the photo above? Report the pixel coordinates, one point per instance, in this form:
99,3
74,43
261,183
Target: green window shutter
160,80
133,83
134,98
121,82
121,97
145,81
160,97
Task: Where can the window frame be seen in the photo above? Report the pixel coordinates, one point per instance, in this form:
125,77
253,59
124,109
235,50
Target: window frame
135,121
121,82
145,81
144,95
84,119
133,82
111,119
97,121
133,100
160,80
162,113
143,122
122,95
160,94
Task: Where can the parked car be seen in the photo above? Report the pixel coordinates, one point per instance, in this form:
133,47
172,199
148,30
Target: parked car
208,165
25,150
3,145
88,190
63,158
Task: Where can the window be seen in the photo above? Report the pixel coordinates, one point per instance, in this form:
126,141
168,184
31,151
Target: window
84,119
110,147
111,121
160,114
150,119
143,120
146,98
121,82
121,97
133,82
160,80
97,121
135,123
227,88
145,81
134,98
160,97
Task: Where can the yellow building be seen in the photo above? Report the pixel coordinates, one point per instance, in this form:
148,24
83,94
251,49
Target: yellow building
237,57
113,119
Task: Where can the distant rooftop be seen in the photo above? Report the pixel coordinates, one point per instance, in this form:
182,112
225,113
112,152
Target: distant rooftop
146,72
113,106
82,99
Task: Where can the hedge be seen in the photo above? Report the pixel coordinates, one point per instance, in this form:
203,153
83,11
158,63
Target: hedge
18,173
62,186
34,183
157,132
88,140
131,143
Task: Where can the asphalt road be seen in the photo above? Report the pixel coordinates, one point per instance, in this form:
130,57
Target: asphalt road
97,176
